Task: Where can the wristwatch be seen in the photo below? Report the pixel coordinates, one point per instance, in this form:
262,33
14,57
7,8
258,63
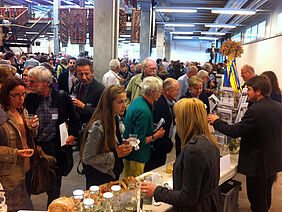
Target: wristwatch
153,138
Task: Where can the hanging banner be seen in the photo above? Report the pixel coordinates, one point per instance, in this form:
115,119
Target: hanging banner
122,21
90,26
12,13
3,11
23,19
78,26
231,77
135,26
64,26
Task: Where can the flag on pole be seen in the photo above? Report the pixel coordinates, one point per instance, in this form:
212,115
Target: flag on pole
231,78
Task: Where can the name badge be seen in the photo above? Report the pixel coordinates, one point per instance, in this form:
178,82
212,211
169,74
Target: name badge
55,116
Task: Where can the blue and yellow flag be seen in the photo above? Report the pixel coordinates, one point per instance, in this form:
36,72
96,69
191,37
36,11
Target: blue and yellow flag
231,78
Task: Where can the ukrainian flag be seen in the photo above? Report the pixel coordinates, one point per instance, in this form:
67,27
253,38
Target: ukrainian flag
231,78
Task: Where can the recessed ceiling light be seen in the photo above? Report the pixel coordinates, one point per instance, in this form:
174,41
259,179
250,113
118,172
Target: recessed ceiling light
220,25
212,33
179,25
175,10
182,33
183,37
233,11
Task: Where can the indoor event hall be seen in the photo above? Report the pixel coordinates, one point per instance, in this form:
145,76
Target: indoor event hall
140,105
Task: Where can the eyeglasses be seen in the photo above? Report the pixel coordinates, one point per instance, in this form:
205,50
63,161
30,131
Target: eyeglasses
152,69
32,81
18,95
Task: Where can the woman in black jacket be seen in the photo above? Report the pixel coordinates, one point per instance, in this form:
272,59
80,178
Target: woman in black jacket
196,170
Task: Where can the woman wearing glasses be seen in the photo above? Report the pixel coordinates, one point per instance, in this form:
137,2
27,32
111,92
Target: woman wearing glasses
15,145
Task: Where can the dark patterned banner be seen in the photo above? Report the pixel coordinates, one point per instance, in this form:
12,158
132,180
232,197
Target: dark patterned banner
23,19
12,13
3,11
122,21
78,26
90,26
64,26
135,26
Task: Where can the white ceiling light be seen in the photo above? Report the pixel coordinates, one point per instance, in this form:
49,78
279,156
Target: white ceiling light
213,33
183,37
125,36
182,33
220,25
175,10
208,38
179,25
233,11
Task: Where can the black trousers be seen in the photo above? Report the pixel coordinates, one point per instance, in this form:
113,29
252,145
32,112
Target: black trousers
54,191
259,192
95,177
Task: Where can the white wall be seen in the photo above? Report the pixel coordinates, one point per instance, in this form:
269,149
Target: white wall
189,50
264,55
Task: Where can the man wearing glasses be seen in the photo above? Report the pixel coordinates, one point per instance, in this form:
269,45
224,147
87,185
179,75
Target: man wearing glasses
53,108
133,89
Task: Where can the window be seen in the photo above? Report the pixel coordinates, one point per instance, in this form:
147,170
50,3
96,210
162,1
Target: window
279,23
254,32
237,37
261,29
248,35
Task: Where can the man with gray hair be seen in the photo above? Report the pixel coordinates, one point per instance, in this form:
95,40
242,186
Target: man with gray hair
31,61
183,80
111,77
54,109
247,72
133,89
139,121
163,109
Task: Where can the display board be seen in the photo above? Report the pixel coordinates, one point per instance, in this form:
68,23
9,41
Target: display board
263,55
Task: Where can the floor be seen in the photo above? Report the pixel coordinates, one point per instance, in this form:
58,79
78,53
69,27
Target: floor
76,181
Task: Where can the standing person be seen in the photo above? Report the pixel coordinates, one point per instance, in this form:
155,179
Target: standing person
124,74
133,89
88,91
102,150
275,90
260,155
53,108
163,109
67,79
183,80
16,145
63,66
139,121
112,77
196,170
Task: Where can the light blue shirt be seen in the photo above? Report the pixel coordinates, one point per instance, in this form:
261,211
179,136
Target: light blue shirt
183,85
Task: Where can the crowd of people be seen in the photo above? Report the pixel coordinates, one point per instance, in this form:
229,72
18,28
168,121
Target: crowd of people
131,98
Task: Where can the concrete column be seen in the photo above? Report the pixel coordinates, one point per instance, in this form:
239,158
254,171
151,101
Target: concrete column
57,4
81,46
105,38
145,30
160,41
167,46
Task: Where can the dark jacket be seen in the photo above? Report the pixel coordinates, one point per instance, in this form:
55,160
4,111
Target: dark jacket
63,81
195,179
160,147
203,97
67,113
93,95
261,141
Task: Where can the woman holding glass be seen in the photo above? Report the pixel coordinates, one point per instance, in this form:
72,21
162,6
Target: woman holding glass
196,169
102,146
15,145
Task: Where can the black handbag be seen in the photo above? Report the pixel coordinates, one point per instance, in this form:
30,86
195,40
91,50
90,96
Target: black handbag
66,160
43,173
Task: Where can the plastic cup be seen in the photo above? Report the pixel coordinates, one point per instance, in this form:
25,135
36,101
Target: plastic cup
133,139
29,119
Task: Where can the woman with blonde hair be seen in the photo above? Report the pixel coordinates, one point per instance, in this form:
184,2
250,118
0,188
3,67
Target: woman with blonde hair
102,148
198,161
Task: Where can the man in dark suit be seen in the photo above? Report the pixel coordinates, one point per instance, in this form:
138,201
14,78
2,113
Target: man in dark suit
260,156
163,109
67,79
88,91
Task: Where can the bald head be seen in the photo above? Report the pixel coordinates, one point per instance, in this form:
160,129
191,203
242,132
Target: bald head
149,67
171,89
247,72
